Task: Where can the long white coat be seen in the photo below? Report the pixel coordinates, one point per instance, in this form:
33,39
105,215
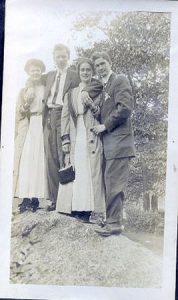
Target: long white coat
95,151
21,128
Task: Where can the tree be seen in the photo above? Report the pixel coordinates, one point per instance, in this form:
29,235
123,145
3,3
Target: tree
138,44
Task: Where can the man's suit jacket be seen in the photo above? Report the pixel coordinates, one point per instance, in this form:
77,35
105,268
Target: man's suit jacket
70,82
118,140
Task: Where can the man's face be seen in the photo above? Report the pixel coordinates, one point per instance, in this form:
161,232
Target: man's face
61,58
102,67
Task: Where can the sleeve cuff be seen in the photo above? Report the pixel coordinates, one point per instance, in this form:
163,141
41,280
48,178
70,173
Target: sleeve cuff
65,143
108,126
65,137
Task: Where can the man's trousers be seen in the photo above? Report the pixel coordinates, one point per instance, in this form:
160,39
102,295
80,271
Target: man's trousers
116,173
53,150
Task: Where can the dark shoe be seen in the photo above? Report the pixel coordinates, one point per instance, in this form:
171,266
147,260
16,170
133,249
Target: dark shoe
34,204
109,230
51,207
82,219
25,205
82,216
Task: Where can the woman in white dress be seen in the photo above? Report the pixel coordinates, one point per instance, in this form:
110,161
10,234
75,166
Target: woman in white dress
86,194
31,183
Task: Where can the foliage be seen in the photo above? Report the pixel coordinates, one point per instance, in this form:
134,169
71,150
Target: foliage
138,44
138,220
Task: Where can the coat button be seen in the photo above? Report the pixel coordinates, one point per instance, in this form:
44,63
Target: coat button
92,141
93,152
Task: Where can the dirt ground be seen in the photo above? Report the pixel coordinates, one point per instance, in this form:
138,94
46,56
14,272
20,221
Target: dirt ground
51,248
152,241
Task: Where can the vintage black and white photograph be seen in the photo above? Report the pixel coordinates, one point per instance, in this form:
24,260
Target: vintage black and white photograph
90,132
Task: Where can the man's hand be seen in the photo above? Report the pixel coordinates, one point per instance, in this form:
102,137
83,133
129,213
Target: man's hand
66,148
98,129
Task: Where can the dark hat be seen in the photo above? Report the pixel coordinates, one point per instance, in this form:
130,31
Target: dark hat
34,62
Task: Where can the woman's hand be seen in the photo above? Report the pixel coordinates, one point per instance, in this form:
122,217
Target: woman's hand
29,95
98,129
67,159
66,148
86,100
27,99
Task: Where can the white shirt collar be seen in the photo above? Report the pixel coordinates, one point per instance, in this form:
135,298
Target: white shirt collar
106,78
62,71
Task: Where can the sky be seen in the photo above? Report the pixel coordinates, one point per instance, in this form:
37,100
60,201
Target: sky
34,27
35,32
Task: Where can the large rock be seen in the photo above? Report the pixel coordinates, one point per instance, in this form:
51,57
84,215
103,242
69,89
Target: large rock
50,248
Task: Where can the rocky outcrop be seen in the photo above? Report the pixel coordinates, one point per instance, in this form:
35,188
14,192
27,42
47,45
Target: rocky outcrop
51,248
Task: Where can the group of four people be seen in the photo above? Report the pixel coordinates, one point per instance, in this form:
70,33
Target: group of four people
70,117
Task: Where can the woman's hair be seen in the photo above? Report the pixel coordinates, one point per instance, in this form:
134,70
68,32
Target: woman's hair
101,54
82,61
34,62
60,47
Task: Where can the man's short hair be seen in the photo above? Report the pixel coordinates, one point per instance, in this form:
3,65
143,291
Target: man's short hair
101,54
60,47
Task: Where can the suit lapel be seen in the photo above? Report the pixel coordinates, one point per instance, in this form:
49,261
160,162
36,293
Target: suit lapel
67,83
50,81
108,90
72,103
109,83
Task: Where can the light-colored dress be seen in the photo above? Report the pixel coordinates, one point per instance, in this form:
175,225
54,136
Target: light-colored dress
32,171
86,193
83,198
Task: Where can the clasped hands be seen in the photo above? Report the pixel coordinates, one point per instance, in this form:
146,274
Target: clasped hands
98,128
29,97
86,100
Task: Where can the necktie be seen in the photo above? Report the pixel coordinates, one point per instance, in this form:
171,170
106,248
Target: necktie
57,89
104,90
105,86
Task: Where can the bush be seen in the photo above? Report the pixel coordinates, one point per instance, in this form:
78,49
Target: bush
137,220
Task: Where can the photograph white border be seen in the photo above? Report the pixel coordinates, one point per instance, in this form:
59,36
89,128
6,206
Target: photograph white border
7,145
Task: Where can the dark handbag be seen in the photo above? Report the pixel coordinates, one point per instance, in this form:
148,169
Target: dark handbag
66,174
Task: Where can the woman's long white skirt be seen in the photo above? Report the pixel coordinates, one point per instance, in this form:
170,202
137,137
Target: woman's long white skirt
83,198
32,172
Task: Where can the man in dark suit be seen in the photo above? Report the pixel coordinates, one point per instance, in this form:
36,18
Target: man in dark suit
118,141
57,83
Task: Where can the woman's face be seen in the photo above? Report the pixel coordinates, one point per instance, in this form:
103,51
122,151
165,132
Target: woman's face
85,72
34,73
